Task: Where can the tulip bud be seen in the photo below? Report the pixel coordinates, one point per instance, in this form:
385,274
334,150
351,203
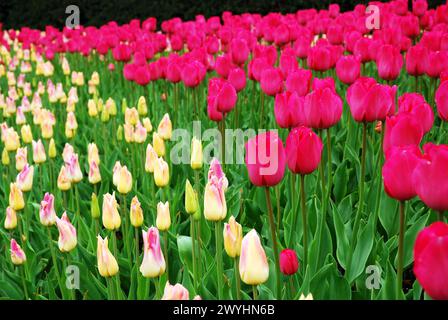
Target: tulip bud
124,180
52,149
92,153
105,115
254,268
64,181
163,221
10,219
158,144
74,170
153,264
120,133
136,213
94,207
111,217
131,116
288,262
165,128
124,105
107,264
161,173
128,132
91,105
151,158
191,199
16,200
67,234
5,157
11,140
18,256
24,179
47,213
233,235
27,135
142,108
39,152
176,292
196,154
147,124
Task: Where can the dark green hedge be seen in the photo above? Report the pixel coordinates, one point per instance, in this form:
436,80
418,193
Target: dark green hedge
38,13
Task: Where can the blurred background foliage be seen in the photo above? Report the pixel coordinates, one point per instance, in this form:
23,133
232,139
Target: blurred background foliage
39,13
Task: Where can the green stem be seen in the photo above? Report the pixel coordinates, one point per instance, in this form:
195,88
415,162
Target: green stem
53,257
165,249
329,164
22,275
401,249
137,251
219,267
440,215
193,239
255,292
304,221
237,278
274,240
293,208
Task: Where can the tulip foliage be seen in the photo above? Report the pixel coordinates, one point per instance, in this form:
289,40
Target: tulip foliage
341,190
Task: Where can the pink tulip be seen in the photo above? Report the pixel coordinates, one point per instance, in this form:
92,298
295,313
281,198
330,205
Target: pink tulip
415,104
271,81
303,150
397,172
431,260
322,109
265,159
348,69
287,108
416,60
402,130
389,62
442,101
237,77
299,81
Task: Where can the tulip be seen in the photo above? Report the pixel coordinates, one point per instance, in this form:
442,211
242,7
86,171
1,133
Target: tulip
21,158
16,201
389,62
402,130
165,129
176,292
11,140
237,78
124,180
370,101
319,58
24,179
287,108
47,213
233,235
239,51
5,157
64,180
94,173
111,217
94,207
107,264
161,173
348,69
196,154
158,144
147,124
136,213
430,177
142,107
309,296
254,268
163,220
38,152
92,153
73,169
431,260
288,262
415,104
398,170
416,60
299,81
27,135
151,158
67,234
10,219
153,264
442,101
18,256
322,109
265,159
52,149
191,199
271,81
215,206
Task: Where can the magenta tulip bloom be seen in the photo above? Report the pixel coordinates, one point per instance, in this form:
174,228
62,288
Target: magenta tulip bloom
416,60
397,172
265,159
289,263
348,69
370,101
239,51
303,150
431,177
402,130
322,109
287,109
237,77
271,81
442,101
415,104
389,62
299,81
431,260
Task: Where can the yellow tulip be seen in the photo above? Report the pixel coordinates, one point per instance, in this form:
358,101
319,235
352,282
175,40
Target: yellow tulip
253,267
233,235
107,264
